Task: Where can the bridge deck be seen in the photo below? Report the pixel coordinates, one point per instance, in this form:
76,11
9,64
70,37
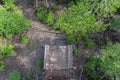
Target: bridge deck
58,57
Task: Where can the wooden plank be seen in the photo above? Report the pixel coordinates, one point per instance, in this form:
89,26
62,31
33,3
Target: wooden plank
70,56
46,63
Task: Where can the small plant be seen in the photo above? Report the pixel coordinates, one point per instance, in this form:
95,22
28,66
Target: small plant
5,51
61,1
116,23
92,68
2,66
38,63
25,39
70,39
46,16
76,51
30,73
54,7
15,75
99,41
32,47
90,43
2,40
9,5
50,18
41,14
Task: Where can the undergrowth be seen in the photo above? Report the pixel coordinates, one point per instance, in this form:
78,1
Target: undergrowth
5,51
12,20
106,65
46,16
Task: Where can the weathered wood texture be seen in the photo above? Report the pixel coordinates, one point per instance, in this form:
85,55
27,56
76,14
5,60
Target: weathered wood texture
58,57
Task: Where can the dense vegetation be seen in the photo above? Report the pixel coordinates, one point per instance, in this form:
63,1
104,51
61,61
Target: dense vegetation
78,20
82,18
11,20
105,65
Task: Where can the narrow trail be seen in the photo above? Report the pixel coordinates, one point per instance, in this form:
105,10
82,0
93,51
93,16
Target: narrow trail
38,29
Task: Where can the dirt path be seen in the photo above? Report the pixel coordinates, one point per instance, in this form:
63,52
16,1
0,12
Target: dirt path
39,35
25,55
38,29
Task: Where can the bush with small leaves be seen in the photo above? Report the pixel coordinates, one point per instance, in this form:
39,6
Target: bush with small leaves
111,60
46,16
107,64
77,22
99,42
90,68
76,51
30,73
15,75
9,5
106,8
38,63
116,23
25,39
90,43
2,66
12,23
5,51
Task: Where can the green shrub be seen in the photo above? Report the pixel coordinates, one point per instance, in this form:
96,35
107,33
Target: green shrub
90,43
9,1
106,65
2,66
101,8
77,22
46,16
99,41
76,51
30,73
9,5
50,18
38,63
41,14
15,75
116,23
72,39
6,51
90,68
85,18
111,60
54,7
25,39
107,8
12,23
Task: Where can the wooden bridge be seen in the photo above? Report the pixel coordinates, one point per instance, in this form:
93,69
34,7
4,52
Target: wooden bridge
58,61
